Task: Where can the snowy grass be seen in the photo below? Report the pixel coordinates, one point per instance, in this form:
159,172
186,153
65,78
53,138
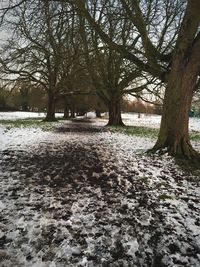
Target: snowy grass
14,115
50,126
135,130
146,131
27,123
195,136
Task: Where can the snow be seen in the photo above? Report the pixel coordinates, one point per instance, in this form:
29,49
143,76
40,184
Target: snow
23,115
134,119
17,137
153,121
146,120
84,196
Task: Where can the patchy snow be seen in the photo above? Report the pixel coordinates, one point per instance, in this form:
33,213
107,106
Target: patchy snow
146,120
194,124
153,121
134,119
18,137
83,196
14,115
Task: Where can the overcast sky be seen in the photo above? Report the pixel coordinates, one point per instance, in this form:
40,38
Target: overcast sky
4,3
3,33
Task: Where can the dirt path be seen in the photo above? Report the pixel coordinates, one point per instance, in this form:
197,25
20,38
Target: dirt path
84,198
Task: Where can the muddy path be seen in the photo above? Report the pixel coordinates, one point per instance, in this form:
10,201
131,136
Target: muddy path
83,198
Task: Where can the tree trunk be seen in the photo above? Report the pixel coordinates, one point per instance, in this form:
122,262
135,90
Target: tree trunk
114,109
25,106
98,113
72,112
24,92
51,105
66,112
174,134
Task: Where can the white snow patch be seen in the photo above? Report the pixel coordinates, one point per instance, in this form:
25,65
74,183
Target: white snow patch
2,206
24,115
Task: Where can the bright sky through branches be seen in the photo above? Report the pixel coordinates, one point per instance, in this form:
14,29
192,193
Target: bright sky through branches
4,3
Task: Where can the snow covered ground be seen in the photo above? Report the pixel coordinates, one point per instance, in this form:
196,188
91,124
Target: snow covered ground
152,120
23,115
83,196
135,119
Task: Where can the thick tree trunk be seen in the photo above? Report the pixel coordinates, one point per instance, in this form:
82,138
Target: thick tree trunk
182,80
51,106
174,133
114,109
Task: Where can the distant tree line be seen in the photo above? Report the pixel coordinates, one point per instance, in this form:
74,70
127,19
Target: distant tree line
26,97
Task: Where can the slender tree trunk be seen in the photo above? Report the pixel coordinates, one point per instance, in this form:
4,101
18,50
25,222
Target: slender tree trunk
66,112
114,109
51,105
25,106
98,113
72,112
24,92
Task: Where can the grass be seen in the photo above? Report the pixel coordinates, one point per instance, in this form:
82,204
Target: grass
146,131
135,130
195,136
165,196
129,130
143,179
33,122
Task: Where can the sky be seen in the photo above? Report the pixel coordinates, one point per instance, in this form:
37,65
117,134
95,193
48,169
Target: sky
4,3
3,33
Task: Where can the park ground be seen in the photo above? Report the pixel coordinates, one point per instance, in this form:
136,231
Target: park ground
81,194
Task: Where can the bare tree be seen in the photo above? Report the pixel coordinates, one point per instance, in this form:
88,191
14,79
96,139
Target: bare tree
185,69
164,42
38,46
112,75
169,49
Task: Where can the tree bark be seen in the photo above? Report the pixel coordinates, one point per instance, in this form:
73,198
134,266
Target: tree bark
174,133
66,112
24,92
25,106
114,109
51,106
72,112
98,113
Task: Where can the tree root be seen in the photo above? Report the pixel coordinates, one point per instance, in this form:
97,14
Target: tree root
180,150
120,123
50,119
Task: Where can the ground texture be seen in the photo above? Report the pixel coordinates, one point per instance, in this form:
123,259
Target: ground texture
83,196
